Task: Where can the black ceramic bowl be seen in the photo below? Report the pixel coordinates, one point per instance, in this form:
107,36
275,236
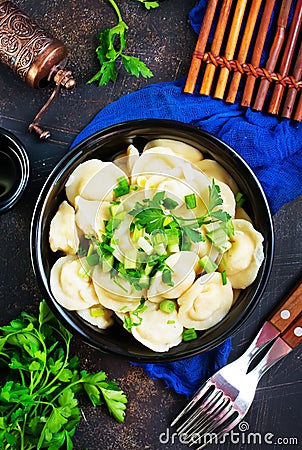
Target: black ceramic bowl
14,170
106,145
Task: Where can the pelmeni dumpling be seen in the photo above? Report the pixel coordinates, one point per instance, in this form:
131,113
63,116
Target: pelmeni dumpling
184,265
93,180
69,285
243,260
206,302
63,233
158,330
181,149
90,215
157,161
126,161
214,170
114,292
98,316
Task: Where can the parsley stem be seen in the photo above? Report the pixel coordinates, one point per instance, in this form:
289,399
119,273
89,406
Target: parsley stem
117,10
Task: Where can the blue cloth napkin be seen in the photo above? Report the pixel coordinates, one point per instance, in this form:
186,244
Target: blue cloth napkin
272,147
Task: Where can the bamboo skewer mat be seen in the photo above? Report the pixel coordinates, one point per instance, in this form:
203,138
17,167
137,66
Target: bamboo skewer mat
230,66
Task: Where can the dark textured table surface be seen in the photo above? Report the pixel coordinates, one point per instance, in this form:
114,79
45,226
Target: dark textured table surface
164,40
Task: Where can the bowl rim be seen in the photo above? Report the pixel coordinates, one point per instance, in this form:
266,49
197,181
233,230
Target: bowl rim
80,150
19,151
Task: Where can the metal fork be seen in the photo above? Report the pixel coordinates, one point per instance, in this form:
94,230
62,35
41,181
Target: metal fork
225,398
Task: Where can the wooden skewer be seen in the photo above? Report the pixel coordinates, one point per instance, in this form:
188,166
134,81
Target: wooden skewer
287,57
200,47
230,47
292,93
274,53
216,46
298,113
245,44
258,48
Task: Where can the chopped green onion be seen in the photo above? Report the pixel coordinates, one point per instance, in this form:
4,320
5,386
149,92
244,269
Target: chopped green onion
219,239
189,335
240,200
137,233
84,272
170,322
144,244
160,249
144,282
96,311
108,248
122,188
158,237
190,200
128,323
112,224
224,278
107,263
93,259
174,248
167,221
114,209
167,306
167,276
207,264
130,259
90,249
169,203
148,269
172,237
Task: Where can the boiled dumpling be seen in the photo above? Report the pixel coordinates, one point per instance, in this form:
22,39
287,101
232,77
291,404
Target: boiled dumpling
70,288
184,265
206,302
114,292
98,316
93,180
127,160
63,233
243,260
181,149
214,170
90,215
156,161
158,330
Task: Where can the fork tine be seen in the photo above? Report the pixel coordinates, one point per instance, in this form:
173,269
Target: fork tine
199,415
207,403
214,425
200,393
208,420
229,427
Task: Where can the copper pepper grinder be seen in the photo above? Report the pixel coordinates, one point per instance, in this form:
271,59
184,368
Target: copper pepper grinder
37,58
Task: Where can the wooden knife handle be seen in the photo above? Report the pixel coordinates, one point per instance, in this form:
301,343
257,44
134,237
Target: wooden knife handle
293,334
288,310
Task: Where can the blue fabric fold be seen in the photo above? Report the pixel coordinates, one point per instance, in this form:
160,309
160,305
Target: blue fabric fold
272,147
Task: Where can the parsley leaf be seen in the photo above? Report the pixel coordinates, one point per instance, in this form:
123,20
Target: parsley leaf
111,48
38,397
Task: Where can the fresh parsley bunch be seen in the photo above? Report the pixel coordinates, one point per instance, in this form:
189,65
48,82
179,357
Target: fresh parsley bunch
40,383
112,47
